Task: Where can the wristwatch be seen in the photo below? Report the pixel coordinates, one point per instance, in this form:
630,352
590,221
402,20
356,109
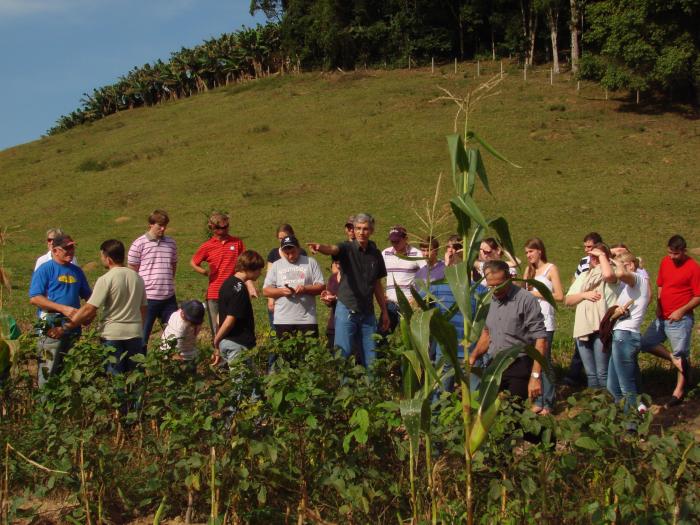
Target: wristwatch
535,375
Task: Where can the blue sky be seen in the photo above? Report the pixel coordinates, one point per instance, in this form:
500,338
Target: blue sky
53,51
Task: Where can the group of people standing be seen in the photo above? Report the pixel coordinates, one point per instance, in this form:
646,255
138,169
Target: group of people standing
610,292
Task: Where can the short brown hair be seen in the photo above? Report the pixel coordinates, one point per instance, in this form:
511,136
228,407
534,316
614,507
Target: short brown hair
430,242
249,261
159,217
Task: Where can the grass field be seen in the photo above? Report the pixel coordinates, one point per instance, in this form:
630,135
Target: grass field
313,148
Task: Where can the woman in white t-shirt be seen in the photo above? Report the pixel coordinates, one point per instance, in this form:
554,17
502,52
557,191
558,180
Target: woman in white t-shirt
632,304
540,269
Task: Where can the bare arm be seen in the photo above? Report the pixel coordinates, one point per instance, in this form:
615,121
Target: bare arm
325,249
274,292
482,346
252,290
534,386
81,317
606,268
575,298
557,290
198,268
688,307
135,267
381,301
223,330
42,302
626,277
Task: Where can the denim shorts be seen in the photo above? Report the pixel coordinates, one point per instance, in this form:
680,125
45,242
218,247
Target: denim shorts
678,334
230,350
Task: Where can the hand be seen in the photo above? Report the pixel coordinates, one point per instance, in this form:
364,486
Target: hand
592,296
253,292
534,387
287,291
472,360
314,247
328,298
386,322
300,289
676,315
621,310
56,332
216,356
598,253
69,311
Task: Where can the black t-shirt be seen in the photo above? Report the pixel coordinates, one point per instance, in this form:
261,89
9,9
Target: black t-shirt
234,300
360,270
274,254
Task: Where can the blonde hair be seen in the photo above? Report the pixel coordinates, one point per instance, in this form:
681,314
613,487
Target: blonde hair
627,257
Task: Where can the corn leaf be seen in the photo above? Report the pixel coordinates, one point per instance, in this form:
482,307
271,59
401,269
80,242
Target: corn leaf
500,226
489,148
465,205
420,337
482,424
446,335
458,279
540,287
458,158
476,168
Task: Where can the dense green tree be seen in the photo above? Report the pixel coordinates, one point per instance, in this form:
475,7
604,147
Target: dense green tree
644,45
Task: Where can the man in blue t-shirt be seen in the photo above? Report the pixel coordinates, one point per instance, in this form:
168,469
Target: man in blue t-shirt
56,289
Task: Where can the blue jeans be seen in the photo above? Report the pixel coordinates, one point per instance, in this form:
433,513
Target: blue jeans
348,324
595,361
546,400
124,350
624,370
157,309
51,353
448,381
230,350
678,334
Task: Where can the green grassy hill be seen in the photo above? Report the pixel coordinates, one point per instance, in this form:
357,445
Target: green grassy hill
311,149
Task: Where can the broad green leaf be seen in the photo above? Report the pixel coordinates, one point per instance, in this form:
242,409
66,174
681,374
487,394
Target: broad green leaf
464,223
404,305
472,250
491,378
425,415
466,205
458,159
410,410
500,226
420,336
476,168
482,424
587,443
418,299
458,278
489,148
412,357
445,334
483,303
541,287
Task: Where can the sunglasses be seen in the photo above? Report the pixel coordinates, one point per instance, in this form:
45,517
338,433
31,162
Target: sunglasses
455,246
349,226
219,226
49,240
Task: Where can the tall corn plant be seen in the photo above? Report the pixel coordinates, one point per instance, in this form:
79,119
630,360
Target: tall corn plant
427,323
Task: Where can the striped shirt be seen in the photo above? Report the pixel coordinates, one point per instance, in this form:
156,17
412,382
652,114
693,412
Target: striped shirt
583,266
400,272
221,256
155,260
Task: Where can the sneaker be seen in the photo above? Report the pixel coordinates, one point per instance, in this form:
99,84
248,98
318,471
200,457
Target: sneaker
642,409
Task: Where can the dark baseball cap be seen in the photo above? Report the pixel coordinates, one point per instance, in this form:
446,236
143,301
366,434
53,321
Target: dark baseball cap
289,240
63,241
194,311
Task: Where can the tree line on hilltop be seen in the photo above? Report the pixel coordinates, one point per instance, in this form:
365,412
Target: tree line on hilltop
648,46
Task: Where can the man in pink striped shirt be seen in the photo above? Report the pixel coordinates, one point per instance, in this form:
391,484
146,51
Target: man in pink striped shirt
154,257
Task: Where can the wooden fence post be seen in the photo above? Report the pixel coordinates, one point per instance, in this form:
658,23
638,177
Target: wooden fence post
524,72
455,66
409,62
501,68
478,69
432,66
551,76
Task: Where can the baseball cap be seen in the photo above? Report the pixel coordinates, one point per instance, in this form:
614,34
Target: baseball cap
194,311
63,241
397,233
289,240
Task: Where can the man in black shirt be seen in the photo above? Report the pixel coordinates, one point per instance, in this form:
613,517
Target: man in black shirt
236,322
362,269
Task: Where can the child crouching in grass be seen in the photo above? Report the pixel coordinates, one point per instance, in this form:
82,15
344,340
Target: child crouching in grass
181,331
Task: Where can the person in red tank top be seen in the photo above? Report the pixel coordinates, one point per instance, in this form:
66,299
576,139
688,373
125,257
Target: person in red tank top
678,286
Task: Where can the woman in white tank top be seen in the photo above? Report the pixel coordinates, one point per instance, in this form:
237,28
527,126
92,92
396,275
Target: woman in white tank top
548,274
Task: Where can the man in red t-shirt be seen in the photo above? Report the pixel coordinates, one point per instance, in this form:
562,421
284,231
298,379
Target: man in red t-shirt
220,253
678,294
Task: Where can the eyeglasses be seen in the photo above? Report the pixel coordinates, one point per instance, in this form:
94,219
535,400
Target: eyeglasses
485,252
66,248
219,226
455,246
49,240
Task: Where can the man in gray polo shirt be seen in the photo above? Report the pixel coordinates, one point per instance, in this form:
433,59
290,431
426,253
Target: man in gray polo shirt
514,318
293,282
